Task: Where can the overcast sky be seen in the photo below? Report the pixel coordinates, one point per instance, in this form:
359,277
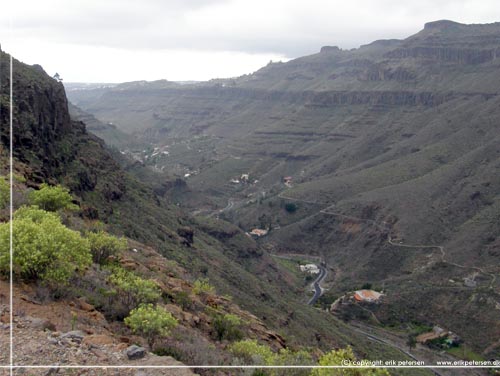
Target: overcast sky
123,40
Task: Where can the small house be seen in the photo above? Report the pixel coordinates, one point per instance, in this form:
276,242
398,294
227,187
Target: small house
309,268
370,296
258,232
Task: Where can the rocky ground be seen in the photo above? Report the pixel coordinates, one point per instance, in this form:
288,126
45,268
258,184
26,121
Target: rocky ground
43,336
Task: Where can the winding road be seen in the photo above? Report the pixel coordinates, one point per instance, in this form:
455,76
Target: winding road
318,291
316,285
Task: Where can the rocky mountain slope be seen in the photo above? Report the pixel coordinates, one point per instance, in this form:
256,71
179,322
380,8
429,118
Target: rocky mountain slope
165,245
393,155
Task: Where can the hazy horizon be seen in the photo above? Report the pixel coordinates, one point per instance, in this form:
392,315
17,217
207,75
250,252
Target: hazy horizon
122,41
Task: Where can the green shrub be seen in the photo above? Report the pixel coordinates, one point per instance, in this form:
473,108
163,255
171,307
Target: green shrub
338,358
227,327
202,286
103,245
167,350
287,357
4,192
252,352
19,178
182,298
131,289
150,322
291,207
52,198
44,249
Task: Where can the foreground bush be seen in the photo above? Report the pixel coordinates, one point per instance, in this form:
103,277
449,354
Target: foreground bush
251,352
52,198
103,245
150,322
339,358
44,249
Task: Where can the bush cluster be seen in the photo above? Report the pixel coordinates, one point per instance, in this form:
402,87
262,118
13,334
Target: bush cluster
202,286
251,352
151,322
44,249
104,245
52,198
227,327
132,290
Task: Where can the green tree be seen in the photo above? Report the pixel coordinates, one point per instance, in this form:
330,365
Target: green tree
103,245
411,342
342,357
291,207
150,322
4,192
43,248
52,198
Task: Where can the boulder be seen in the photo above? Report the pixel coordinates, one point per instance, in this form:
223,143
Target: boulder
74,336
135,352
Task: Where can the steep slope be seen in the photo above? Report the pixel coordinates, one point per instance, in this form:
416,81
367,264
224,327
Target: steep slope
50,147
394,142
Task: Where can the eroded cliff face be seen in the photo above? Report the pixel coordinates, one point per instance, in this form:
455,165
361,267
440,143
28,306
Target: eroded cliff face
52,147
449,55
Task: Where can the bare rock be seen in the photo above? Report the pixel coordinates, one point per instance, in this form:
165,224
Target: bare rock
135,352
73,336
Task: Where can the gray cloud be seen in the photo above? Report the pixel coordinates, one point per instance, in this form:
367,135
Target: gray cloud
282,28
236,25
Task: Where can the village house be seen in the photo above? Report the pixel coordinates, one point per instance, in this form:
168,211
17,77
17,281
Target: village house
370,296
309,268
258,232
438,332
470,282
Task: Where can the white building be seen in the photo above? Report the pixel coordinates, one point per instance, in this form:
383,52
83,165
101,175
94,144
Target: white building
309,268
